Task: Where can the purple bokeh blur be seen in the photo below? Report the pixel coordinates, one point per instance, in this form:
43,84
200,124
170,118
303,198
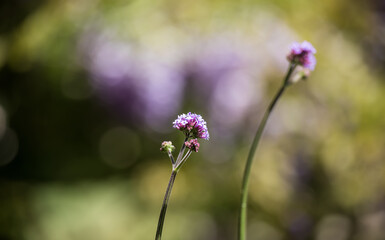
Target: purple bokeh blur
215,75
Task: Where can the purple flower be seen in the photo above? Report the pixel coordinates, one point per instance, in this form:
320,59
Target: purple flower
192,125
193,145
302,54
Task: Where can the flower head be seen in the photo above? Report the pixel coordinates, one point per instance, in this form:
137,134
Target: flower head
303,54
192,125
192,144
167,146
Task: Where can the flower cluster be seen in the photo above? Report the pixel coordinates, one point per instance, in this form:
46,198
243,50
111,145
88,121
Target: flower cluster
303,55
192,125
192,144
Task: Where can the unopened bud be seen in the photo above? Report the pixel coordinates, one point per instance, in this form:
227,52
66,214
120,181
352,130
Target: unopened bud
193,145
167,146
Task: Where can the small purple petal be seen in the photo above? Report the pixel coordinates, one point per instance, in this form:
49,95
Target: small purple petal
306,46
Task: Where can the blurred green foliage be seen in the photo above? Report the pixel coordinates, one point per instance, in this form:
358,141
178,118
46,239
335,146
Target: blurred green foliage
72,167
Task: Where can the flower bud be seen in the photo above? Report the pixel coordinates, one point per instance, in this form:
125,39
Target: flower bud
167,146
193,145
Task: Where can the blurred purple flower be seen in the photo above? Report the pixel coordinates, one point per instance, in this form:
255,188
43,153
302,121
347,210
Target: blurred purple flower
192,125
193,145
303,54
221,70
211,61
132,82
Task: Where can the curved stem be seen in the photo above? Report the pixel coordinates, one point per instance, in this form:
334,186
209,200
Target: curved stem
242,221
162,215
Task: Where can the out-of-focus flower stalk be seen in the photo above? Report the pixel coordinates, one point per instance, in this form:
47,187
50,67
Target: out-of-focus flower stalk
301,54
242,222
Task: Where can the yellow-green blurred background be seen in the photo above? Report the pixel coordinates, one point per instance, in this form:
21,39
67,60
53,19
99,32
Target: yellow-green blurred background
89,90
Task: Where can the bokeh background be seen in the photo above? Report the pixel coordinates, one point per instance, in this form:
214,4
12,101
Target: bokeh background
89,90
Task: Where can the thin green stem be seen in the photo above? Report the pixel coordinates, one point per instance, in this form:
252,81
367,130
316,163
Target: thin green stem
171,157
242,221
162,215
178,166
181,152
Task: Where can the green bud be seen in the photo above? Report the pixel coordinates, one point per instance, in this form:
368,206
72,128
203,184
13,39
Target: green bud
167,146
